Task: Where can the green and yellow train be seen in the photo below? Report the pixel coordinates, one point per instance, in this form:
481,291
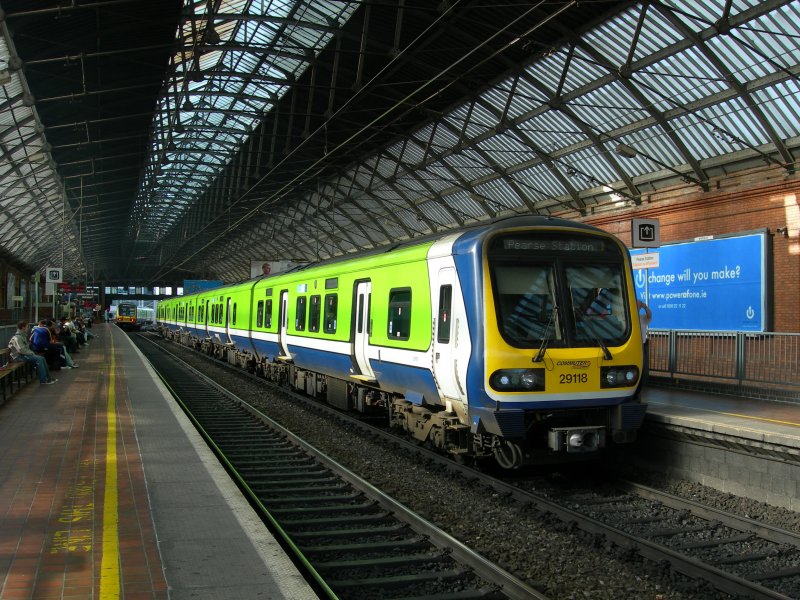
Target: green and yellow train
517,340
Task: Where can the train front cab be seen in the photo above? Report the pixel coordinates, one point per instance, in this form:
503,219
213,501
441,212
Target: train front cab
562,348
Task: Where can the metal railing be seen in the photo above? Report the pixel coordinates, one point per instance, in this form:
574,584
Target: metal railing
764,365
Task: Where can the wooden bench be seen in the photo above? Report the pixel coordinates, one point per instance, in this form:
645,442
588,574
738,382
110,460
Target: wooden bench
13,372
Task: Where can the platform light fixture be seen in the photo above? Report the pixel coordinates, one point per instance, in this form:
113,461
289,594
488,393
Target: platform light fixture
626,151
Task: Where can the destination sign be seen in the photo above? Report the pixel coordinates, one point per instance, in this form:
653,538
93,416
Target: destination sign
584,245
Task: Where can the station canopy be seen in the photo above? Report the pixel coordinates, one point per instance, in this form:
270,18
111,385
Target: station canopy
151,141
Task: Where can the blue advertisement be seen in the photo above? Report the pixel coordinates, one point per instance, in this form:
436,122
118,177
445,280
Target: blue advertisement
194,286
709,285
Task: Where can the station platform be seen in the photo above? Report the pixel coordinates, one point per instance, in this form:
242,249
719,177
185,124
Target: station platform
747,447
755,420
108,492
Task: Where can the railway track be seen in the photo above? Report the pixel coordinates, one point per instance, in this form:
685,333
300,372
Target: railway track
736,556
352,540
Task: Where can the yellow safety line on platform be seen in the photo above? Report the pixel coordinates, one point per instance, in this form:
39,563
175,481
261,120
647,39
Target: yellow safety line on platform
109,566
730,414
761,419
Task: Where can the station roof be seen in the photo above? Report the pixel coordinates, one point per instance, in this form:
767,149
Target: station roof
151,141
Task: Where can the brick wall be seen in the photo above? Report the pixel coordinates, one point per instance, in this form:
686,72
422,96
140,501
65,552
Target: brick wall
748,202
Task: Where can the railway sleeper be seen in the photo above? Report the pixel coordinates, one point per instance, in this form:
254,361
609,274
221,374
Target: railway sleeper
394,561
418,543
400,580
393,528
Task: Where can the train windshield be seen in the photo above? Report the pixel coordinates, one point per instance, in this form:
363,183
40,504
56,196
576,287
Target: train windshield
126,310
525,295
598,303
557,290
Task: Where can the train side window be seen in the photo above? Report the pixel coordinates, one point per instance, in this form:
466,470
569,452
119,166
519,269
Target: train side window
314,311
400,314
300,314
268,315
260,313
443,322
234,313
331,306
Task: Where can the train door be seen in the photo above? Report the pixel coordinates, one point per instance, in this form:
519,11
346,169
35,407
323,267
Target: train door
205,318
284,324
445,338
361,330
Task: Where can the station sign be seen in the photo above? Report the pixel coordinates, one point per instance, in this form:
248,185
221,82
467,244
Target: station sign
645,261
53,274
645,233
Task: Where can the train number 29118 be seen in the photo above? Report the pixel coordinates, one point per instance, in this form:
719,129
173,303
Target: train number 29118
574,378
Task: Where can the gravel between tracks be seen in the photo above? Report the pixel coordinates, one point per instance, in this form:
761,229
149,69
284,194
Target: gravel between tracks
551,556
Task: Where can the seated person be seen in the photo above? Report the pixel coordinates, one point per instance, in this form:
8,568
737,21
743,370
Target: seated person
67,336
21,351
41,343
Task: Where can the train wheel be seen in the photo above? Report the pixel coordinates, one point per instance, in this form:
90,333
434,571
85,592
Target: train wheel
508,455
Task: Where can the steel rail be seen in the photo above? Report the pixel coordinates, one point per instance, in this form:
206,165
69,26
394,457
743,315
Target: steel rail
693,568
511,587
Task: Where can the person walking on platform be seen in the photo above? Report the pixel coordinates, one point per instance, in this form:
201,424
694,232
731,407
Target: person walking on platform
20,350
645,318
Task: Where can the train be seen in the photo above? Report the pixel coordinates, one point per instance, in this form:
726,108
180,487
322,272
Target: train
516,340
132,317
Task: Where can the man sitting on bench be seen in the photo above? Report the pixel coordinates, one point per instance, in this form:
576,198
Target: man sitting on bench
20,350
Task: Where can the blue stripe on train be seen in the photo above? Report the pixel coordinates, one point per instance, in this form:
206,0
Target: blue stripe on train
322,361
415,383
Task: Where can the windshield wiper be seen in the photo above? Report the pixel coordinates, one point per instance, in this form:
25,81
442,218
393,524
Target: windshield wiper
593,332
546,338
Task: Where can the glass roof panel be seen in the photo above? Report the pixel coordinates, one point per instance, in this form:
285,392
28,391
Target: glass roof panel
613,39
211,86
679,80
779,104
527,97
702,14
608,108
551,131
506,148
539,182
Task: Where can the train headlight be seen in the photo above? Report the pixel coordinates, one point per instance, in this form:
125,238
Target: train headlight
624,376
517,380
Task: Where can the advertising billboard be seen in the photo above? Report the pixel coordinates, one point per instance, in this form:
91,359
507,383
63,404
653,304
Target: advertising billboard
715,284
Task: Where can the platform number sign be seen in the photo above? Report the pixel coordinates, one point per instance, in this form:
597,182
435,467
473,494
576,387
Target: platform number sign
53,275
645,233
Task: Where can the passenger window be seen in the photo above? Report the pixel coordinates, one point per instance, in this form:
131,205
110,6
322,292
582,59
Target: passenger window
400,314
331,304
260,313
234,313
443,322
300,314
268,315
313,313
